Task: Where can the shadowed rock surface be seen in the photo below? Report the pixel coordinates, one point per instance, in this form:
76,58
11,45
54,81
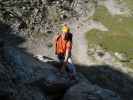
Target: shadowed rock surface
40,75
86,91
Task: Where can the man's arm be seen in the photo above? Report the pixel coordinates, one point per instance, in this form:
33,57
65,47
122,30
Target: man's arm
67,54
68,51
54,42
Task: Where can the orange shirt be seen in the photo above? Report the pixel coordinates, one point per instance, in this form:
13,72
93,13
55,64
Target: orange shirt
63,45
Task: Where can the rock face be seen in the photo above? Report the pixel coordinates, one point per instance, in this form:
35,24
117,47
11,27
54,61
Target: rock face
24,14
86,91
34,79
33,17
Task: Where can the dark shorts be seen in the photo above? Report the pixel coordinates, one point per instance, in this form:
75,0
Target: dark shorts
60,58
70,66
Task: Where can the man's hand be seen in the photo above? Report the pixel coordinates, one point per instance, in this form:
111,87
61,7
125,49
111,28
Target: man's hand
65,61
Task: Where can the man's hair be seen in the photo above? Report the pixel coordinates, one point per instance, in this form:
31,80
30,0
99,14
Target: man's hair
68,37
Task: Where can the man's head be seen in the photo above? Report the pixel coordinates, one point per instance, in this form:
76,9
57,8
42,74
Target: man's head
65,29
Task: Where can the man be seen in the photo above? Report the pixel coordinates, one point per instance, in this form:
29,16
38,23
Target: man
63,47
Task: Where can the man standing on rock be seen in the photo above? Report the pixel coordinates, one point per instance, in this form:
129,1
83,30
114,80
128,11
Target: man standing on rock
63,47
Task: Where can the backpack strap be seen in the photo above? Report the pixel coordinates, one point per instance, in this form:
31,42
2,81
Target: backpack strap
69,37
59,35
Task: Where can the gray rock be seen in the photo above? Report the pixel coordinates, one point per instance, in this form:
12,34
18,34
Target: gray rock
91,51
121,57
100,53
